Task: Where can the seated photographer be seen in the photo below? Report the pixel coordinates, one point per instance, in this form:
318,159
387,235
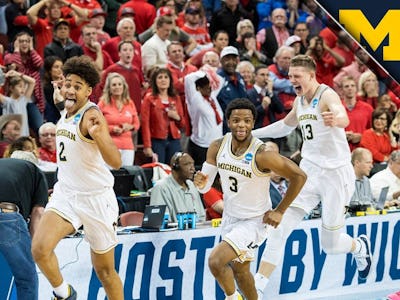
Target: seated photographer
177,190
361,159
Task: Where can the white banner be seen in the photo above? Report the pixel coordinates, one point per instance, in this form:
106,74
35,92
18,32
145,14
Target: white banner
173,265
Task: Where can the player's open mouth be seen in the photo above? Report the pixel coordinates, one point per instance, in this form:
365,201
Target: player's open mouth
297,89
69,103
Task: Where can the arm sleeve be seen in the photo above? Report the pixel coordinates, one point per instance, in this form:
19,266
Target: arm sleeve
211,171
275,130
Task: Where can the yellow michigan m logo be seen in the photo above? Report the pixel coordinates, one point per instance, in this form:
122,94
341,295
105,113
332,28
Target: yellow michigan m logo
357,24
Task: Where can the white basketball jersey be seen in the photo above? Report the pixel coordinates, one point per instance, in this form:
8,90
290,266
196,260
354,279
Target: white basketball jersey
80,164
245,188
324,146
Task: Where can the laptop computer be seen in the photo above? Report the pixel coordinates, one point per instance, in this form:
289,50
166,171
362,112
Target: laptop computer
152,219
382,198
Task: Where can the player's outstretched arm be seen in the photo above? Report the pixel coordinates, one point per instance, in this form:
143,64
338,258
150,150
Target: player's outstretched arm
272,161
280,128
95,125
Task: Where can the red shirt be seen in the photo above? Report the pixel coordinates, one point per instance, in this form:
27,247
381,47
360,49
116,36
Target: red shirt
145,13
155,121
112,48
210,198
107,61
379,145
46,155
326,69
115,117
131,76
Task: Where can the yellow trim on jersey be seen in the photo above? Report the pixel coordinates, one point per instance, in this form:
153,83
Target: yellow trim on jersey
254,167
104,251
82,110
62,215
253,140
332,228
221,147
241,254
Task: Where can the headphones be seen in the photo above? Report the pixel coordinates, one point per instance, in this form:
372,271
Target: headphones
175,166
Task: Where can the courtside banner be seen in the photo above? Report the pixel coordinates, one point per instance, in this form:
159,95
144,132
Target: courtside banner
374,24
173,265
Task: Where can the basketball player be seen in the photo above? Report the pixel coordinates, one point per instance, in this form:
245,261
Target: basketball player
327,163
84,192
244,165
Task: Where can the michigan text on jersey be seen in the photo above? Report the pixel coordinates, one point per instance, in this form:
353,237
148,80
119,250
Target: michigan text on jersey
234,169
357,24
66,133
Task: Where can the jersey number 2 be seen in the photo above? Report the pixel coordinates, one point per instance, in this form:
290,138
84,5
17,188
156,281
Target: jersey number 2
61,155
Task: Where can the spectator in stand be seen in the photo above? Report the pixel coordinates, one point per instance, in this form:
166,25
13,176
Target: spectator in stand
249,51
294,14
179,70
97,19
214,200
162,117
377,139
47,140
220,41
23,143
388,177
128,70
368,88
16,18
92,48
394,130
112,15
176,33
233,85
177,190
126,32
327,60
20,92
52,76
62,45
242,27
205,113
272,38
154,52
121,115
68,11
145,13
227,18
302,31
246,70
345,47
197,5
361,159
267,104
317,19
52,12
283,88
295,42
10,130
193,27
264,9
358,112
386,102
29,63
355,69
211,59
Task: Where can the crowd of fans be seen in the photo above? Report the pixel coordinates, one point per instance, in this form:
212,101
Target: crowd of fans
169,69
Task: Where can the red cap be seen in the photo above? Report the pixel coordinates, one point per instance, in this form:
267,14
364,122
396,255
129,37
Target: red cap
164,11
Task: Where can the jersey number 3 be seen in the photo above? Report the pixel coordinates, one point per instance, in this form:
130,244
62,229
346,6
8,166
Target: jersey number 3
234,183
306,132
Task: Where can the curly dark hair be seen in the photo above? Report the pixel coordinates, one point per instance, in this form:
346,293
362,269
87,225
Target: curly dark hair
240,103
84,67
